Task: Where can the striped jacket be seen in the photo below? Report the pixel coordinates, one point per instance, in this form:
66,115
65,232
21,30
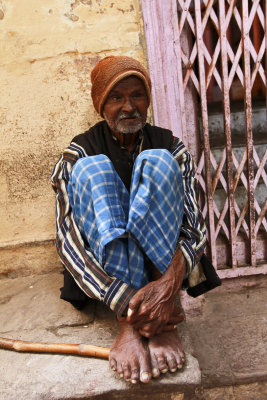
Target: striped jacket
77,256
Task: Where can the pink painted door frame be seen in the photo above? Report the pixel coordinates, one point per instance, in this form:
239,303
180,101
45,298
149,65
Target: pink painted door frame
160,20
164,61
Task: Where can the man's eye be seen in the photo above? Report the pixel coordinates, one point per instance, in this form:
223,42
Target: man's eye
138,95
115,98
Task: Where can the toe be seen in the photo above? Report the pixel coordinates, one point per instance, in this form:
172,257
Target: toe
126,372
180,358
155,372
154,365
135,374
145,368
162,364
119,370
145,376
113,364
180,363
182,354
172,364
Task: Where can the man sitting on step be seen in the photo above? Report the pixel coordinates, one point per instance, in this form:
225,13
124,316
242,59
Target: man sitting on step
129,230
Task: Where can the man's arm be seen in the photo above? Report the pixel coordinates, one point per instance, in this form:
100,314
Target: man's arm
152,309
74,253
192,241
153,306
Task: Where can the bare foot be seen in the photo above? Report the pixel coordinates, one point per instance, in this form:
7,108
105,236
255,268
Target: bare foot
166,353
129,355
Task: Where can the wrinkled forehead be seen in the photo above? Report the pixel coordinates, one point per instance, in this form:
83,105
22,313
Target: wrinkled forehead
130,82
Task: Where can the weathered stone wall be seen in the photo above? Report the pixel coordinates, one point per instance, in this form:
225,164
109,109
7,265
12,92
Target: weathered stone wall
47,52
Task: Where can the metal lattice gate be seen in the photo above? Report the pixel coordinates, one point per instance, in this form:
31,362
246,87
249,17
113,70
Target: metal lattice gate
215,51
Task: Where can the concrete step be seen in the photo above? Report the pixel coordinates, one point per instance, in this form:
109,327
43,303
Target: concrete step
230,335
224,336
30,309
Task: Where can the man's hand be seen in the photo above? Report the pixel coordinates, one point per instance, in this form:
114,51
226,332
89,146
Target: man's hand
152,310
156,327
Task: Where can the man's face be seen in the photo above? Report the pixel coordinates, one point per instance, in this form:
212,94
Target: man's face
125,109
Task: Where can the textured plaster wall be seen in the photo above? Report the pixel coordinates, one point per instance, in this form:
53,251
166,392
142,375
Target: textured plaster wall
48,49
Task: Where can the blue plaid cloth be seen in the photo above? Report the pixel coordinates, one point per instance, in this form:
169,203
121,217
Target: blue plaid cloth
121,227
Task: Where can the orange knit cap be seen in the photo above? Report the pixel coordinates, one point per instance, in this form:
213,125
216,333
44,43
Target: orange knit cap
109,71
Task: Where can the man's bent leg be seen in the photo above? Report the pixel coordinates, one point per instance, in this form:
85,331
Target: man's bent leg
100,205
156,205
166,350
155,217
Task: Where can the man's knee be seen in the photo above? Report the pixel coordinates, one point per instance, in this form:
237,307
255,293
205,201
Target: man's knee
162,162
155,154
157,157
90,162
88,167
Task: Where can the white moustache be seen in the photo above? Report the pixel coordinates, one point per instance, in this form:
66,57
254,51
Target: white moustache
136,114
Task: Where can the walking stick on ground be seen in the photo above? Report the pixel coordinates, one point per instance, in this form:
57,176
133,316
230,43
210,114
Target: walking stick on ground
58,348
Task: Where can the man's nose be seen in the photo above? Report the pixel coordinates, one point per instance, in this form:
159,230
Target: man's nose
128,105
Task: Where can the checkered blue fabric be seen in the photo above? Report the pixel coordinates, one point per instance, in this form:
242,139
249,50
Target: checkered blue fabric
121,227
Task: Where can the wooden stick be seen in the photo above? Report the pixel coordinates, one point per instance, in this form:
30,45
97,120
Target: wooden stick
65,348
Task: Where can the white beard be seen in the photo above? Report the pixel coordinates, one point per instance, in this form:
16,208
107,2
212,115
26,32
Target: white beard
120,125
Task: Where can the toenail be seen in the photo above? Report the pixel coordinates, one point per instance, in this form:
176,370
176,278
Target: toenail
173,369
121,375
179,366
164,370
134,381
155,372
144,376
113,368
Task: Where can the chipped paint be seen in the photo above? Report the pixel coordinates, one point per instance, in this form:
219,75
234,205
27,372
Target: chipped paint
45,64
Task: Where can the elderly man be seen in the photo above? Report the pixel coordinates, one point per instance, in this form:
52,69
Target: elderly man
129,230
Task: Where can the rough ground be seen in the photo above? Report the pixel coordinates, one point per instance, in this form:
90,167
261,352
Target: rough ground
230,342
228,338
30,309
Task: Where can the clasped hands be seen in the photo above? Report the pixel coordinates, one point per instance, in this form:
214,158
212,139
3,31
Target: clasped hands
152,309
